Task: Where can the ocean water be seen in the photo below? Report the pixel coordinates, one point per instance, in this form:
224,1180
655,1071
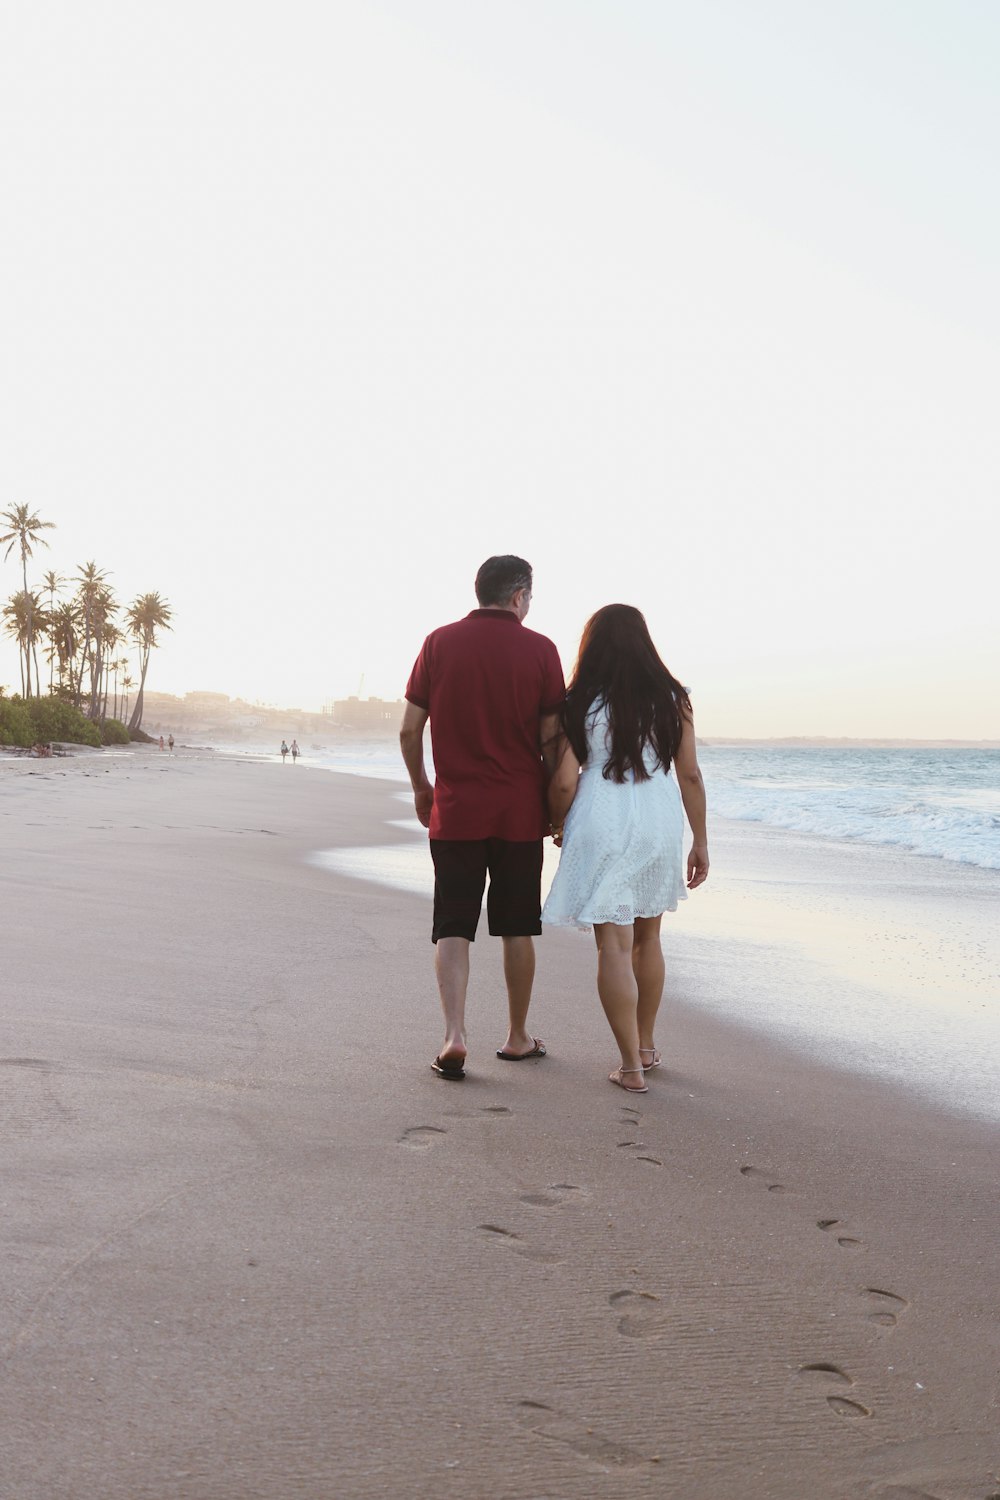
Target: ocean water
943,804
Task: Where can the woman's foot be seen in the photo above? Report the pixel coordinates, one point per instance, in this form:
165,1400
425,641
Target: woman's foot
650,1058
619,1076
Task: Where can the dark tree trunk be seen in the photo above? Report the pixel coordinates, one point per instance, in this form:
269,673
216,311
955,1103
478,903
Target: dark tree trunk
136,719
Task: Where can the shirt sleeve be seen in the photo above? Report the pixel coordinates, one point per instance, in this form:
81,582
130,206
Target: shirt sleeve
418,689
553,686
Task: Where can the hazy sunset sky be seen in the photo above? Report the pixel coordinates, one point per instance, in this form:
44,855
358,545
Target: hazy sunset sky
307,308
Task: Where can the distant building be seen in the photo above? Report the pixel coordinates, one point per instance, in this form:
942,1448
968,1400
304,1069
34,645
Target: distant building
206,700
368,713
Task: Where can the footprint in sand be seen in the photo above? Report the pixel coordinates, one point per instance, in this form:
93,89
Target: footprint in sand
491,1111
951,1465
965,1482
558,1427
917,1492
641,1314
884,1308
631,1119
421,1137
554,1196
825,1375
497,1235
845,1241
764,1178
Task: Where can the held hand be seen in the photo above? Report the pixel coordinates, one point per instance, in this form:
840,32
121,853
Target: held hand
423,801
697,870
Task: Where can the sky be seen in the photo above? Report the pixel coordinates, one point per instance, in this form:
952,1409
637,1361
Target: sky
308,308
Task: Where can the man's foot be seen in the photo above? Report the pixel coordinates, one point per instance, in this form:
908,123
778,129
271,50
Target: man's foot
537,1049
650,1058
449,1065
619,1076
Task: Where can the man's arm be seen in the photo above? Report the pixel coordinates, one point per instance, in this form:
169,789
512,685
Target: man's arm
411,742
562,788
549,735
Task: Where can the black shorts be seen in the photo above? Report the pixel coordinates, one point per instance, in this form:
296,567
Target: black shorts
514,903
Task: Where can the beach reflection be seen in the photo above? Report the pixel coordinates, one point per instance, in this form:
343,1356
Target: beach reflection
896,980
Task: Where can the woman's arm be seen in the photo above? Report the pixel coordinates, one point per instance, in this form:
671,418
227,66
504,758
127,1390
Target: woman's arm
562,786
692,788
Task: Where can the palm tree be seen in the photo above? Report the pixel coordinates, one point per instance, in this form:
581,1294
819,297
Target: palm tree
88,593
17,615
64,624
106,635
145,616
25,526
121,665
51,583
111,639
127,683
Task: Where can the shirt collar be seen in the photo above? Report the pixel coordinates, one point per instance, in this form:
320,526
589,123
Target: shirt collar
493,614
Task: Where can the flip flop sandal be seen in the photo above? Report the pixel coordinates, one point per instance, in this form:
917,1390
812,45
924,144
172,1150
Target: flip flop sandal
619,1073
448,1068
538,1050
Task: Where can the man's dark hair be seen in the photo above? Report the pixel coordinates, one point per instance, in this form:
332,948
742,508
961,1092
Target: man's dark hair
499,579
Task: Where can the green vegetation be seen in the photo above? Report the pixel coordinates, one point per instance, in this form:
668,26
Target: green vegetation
27,722
113,732
81,642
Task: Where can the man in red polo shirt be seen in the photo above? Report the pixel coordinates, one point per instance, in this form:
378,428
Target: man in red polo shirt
492,690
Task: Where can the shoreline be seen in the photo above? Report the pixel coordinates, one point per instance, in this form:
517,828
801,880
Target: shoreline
256,1248
777,899
860,1003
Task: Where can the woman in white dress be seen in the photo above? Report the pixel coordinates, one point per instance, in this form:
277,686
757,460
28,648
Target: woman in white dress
616,812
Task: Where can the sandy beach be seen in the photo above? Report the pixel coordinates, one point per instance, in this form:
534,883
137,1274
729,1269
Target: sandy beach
255,1250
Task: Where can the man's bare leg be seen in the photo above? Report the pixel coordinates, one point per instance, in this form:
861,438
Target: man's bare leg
451,963
519,972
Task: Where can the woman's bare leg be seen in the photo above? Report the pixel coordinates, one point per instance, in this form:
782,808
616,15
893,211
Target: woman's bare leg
648,968
616,985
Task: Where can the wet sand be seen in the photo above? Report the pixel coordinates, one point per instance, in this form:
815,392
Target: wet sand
253,1247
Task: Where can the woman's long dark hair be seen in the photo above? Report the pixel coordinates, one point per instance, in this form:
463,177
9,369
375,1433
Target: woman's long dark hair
619,666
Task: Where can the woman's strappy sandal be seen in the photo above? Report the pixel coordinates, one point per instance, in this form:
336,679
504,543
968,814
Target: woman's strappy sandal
657,1059
619,1074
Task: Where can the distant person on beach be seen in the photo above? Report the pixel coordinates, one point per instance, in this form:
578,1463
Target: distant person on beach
170,743
161,741
284,752
616,813
296,752
492,690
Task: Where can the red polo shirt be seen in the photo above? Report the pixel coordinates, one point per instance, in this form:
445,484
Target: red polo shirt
486,681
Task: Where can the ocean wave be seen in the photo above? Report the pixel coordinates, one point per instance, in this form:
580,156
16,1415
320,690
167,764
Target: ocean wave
927,826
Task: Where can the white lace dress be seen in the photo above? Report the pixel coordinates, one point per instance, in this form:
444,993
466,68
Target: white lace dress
623,844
